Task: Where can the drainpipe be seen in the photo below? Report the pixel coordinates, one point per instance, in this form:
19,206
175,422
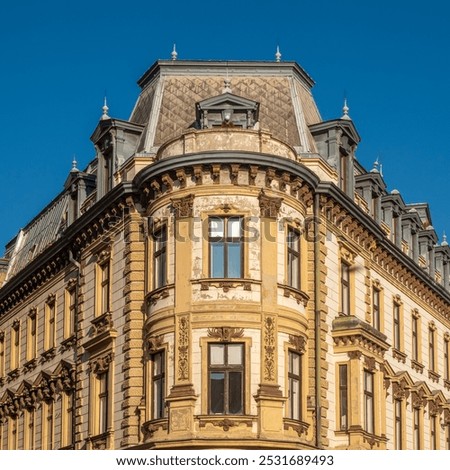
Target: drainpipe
77,290
317,310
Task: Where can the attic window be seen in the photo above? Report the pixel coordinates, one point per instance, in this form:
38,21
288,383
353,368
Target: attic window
227,110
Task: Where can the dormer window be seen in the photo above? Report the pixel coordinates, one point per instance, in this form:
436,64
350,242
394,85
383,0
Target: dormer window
227,110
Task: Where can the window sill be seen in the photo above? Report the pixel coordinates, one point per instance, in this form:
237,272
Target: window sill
447,384
298,295
30,365
100,441
150,427
434,376
417,366
157,294
399,355
48,355
68,343
102,323
13,374
300,427
226,283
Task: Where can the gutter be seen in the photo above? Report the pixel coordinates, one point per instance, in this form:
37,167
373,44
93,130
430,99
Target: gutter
317,311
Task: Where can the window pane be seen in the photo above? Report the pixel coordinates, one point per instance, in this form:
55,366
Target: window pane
293,240
293,274
295,398
216,227
235,392
295,364
157,397
217,354
234,227
234,260
217,260
217,387
235,354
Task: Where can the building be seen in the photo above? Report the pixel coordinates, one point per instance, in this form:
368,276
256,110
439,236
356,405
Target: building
225,273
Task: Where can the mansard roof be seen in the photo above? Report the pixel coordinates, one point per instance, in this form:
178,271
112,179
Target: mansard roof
283,90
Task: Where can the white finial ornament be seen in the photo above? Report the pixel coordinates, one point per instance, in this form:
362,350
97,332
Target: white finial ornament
444,240
74,166
278,55
345,110
174,52
376,165
105,111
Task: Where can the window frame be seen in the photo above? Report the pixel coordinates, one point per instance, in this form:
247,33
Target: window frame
2,354
295,378
15,345
158,386
343,393
103,287
345,285
50,324
159,257
226,241
369,401
227,369
376,308
70,311
32,335
432,353
293,258
398,424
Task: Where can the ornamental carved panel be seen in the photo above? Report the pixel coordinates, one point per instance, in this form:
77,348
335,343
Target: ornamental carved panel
183,348
183,207
269,346
269,206
225,333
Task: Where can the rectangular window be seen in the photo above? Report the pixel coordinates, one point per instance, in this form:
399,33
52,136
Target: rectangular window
2,354
67,419
447,358
13,434
376,308
29,429
159,384
160,257
15,345
433,430
397,330
415,338
369,410
102,402
345,288
416,429
104,288
32,335
343,397
398,424
447,436
50,325
343,172
226,247
295,391
47,425
432,348
70,312
293,258
226,378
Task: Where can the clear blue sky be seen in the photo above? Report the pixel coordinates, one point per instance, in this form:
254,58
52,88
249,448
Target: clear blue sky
58,59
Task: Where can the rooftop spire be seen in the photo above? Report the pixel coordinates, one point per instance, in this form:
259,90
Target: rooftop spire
278,55
105,111
174,52
444,240
345,110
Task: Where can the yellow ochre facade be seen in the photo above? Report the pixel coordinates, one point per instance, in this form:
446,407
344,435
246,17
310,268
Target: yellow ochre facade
225,274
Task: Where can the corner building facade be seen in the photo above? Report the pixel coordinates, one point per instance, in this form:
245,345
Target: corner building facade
225,274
